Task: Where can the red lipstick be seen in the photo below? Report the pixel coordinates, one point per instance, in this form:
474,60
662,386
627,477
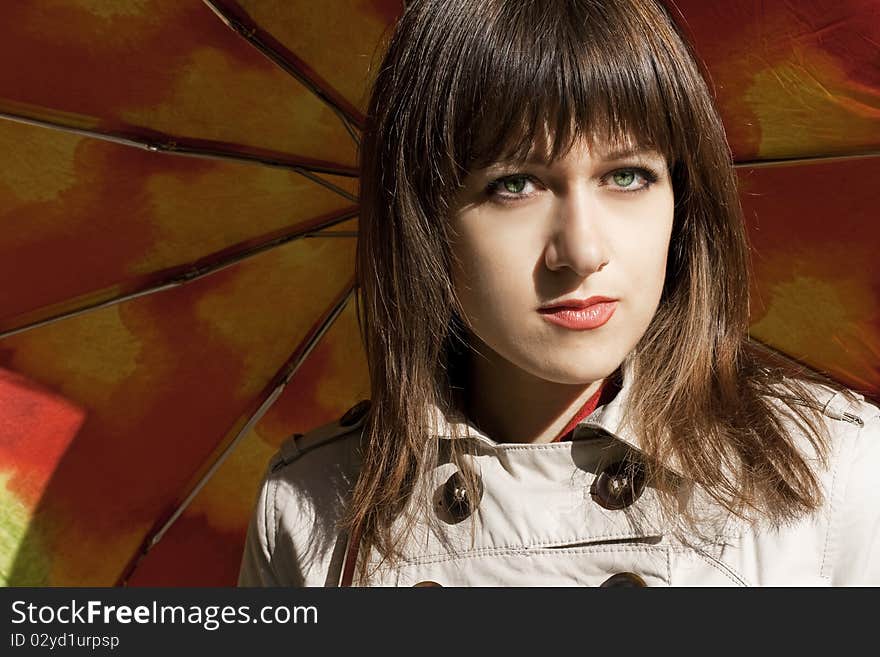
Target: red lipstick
580,314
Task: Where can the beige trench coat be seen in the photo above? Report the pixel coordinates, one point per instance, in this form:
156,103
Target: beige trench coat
550,515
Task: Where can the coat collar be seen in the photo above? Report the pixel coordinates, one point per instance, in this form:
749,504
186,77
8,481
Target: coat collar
607,418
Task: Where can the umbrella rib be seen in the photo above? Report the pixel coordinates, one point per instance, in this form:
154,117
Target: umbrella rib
332,233
285,374
351,131
756,164
194,273
178,146
329,185
237,19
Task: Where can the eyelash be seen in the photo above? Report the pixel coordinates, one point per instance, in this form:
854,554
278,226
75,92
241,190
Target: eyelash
649,175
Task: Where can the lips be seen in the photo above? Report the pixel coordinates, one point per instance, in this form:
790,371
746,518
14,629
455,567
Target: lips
577,304
580,314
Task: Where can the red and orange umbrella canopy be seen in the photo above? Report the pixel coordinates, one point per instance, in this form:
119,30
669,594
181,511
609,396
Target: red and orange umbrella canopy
179,200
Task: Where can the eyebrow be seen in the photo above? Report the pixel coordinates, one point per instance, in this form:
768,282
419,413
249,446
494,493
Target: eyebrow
615,153
622,152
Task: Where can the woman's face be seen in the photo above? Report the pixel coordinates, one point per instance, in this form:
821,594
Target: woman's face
591,224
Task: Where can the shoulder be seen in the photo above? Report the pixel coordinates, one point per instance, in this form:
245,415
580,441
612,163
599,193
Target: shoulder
851,425
327,446
853,550
851,422
311,473
293,536
841,413
839,542
851,508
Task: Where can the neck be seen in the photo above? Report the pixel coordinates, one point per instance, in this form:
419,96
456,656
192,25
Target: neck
512,406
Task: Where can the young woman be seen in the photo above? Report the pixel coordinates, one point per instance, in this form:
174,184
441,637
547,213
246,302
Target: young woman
553,299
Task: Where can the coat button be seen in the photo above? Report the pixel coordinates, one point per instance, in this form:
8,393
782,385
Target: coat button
625,580
458,502
619,485
427,582
355,413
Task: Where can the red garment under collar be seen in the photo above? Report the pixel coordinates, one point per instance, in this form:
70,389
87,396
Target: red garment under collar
603,395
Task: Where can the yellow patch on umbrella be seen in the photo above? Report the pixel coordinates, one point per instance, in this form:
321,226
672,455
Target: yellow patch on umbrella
825,323
27,179
23,558
821,103
112,355
200,213
299,277
202,96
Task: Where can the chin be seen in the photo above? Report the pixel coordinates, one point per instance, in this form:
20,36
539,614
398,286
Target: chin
569,371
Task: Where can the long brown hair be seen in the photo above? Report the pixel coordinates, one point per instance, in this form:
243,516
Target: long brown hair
465,82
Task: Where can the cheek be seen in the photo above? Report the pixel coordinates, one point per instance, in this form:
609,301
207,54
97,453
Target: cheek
645,247
647,261
490,293
494,264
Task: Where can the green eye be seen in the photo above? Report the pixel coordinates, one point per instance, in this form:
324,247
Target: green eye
514,185
624,178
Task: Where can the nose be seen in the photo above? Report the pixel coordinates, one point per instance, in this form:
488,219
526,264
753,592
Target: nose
577,242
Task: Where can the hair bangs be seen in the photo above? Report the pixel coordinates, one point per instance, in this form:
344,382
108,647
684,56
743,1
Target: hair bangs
545,75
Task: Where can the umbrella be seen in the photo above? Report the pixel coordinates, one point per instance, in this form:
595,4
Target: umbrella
180,212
